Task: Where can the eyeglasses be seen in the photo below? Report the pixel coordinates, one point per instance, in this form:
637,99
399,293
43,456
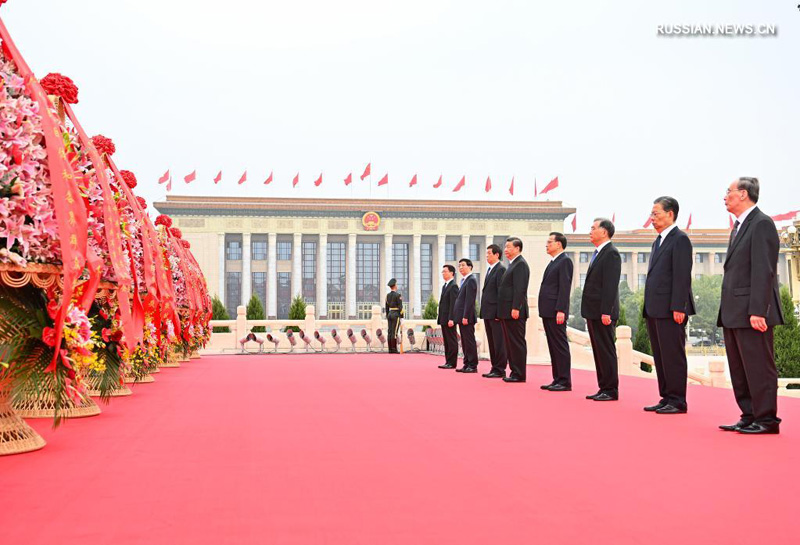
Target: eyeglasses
729,190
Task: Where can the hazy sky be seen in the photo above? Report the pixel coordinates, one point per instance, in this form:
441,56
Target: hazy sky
581,90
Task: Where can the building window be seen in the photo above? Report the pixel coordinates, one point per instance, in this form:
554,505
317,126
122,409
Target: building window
259,250
426,268
624,257
368,273
309,272
475,252
698,258
233,249
583,279
623,278
284,294
400,268
584,258
719,257
642,280
337,279
449,251
284,250
233,292
260,287
642,257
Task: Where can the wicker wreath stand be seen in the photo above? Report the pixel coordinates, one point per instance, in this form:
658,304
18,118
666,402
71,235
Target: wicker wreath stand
119,390
171,360
16,436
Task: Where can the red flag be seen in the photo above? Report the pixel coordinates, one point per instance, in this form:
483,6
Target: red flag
488,184
413,181
169,184
269,179
218,178
785,216
164,178
438,184
730,222
318,181
460,184
574,222
349,179
551,186
367,171
689,223
296,180
535,190
614,218
243,179
384,180
511,188
189,178
648,223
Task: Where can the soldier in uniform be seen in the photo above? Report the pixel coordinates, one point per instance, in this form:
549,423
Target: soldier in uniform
394,311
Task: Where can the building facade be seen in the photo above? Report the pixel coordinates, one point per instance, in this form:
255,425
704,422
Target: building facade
338,254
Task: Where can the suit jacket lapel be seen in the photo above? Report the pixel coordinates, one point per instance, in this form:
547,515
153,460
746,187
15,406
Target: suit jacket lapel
664,243
742,228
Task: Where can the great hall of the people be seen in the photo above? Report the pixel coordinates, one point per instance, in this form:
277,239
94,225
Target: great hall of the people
339,254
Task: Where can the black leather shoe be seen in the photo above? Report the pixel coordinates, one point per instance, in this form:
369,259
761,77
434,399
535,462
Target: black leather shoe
560,388
654,408
735,427
606,397
670,409
467,370
513,379
592,396
547,386
761,429
492,374
447,366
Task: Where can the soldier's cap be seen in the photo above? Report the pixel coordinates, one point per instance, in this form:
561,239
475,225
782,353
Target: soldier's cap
392,283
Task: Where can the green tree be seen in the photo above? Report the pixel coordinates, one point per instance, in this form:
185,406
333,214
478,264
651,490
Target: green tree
431,310
641,342
622,317
297,311
575,320
255,311
218,312
787,339
707,293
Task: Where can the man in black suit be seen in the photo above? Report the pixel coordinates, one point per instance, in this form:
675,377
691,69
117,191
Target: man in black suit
750,308
446,318
554,311
512,309
464,313
600,307
668,301
491,320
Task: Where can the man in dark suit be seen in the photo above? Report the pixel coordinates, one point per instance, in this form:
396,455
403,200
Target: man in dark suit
491,320
446,318
750,308
512,309
600,308
464,312
668,301
554,311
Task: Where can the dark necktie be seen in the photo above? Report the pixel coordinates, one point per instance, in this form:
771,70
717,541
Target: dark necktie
658,244
733,233
594,255
443,288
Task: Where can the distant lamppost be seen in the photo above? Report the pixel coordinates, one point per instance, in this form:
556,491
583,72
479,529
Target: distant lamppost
790,237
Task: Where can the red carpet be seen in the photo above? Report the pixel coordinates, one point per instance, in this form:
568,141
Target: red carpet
380,450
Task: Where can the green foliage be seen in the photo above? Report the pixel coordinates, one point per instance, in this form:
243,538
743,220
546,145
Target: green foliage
255,311
219,312
707,292
787,339
575,320
622,317
297,311
641,342
431,310
630,305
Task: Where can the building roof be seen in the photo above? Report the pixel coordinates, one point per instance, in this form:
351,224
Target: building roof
180,205
645,238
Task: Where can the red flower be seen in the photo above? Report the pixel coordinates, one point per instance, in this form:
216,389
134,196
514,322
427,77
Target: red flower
142,203
16,154
164,220
71,374
104,314
52,309
105,333
129,178
49,336
176,232
62,86
185,244
103,145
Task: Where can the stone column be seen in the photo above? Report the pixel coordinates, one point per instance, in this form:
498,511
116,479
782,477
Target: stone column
576,276
222,268
297,265
464,247
634,283
387,262
322,277
416,281
437,267
272,277
247,286
351,276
